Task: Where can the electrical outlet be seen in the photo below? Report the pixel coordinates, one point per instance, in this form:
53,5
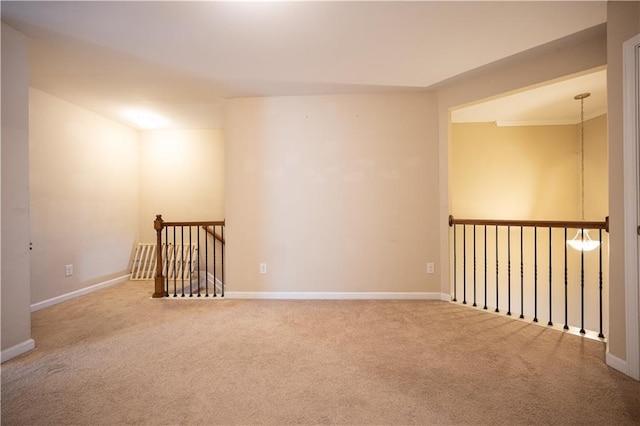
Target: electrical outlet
263,268
431,268
68,270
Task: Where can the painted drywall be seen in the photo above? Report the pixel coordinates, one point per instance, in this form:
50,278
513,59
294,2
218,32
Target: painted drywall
528,172
514,172
16,313
596,168
623,22
333,193
83,172
181,177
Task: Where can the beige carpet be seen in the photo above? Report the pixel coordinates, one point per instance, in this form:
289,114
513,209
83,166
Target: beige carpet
118,357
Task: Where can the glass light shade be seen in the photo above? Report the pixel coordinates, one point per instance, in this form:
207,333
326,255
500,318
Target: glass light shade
583,242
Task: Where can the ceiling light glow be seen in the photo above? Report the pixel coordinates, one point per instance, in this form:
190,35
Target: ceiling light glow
145,120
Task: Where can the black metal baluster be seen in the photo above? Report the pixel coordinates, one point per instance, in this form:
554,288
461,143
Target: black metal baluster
175,284
182,258
222,260
474,266
521,272
601,335
582,284
215,275
190,263
510,283
206,260
485,267
198,262
455,267
464,264
497,271
508,270
206,278
566,284
166,261
550,278
535,274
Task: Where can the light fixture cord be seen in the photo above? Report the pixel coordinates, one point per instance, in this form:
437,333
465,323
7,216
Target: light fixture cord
582,154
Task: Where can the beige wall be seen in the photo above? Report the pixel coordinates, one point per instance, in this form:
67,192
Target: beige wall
528,172
181,177
596,168
16,314
623,22
83,171
334,193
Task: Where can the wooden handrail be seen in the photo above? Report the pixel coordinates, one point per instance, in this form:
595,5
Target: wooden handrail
214,234
197,223
534,223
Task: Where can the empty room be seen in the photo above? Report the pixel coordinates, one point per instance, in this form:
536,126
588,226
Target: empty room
320,212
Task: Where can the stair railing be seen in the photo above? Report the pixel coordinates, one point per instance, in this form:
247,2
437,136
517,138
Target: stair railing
190,258
498,292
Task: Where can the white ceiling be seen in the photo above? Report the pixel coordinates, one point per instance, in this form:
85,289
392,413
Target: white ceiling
180,60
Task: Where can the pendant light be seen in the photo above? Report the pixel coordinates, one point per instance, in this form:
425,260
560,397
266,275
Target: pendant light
582,241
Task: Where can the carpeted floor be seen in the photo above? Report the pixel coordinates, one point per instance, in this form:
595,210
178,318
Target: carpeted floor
118,357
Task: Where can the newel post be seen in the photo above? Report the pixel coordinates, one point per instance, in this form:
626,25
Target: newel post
158,224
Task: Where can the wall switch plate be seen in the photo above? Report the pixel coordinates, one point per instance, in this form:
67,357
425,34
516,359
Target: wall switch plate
431,268
68,270
263,268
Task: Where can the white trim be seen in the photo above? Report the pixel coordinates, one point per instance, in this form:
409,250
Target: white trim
303,295
616,363
64,297
18,349
631,103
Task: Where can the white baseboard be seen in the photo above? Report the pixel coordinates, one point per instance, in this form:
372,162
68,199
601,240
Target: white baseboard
617,363
18,349
62,298
303,295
